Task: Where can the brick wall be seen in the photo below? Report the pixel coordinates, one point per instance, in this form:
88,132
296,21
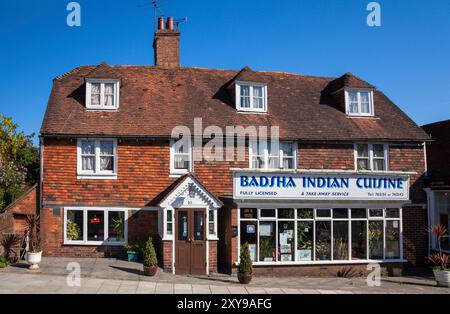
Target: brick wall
167,48
326,156
212,257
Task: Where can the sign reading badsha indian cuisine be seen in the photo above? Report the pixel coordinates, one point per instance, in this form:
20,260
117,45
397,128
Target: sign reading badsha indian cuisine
321,187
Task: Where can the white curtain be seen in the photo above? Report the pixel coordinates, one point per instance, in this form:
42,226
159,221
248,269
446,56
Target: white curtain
95,94
88,163
109,95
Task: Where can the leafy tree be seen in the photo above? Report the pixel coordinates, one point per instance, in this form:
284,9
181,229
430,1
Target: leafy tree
246,264
19,161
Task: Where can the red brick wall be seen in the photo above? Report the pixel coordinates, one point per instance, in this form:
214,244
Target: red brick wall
415,237
326,156
167,251
27,204
167,49
212,257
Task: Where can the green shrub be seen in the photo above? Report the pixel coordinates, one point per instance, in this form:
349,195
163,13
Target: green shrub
3,262
246,264
150,254
73,231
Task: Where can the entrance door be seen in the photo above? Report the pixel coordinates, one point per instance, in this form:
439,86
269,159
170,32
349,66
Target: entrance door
190,242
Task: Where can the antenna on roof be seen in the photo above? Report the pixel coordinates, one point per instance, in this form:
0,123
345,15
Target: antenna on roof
179,21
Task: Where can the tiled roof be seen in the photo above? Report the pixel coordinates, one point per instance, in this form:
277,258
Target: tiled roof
154,100
438,153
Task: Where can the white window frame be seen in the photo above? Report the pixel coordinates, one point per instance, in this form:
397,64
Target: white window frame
359,113
102,83
280,156
106,212
96,174
252,108
371,157
331,219
179,172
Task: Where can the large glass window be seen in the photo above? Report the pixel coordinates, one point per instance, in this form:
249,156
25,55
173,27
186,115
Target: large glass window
97,157
371,157
97,227
308,235
271,156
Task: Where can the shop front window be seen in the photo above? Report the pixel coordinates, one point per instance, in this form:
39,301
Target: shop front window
286,241
96,227
267,241
309,235
323,240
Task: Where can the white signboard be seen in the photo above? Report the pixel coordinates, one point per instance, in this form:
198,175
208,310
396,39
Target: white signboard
320,187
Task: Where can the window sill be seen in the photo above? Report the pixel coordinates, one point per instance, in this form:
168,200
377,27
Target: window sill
177,175
101,109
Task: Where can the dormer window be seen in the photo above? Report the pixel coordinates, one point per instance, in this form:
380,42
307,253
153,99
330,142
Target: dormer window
251,97
102,94
359,102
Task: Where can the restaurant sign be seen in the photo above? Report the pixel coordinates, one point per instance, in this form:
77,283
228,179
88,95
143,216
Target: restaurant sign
320,187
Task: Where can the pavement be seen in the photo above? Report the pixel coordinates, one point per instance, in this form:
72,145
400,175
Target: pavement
113,276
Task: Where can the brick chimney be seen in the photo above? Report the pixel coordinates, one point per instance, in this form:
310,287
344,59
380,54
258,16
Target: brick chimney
167,44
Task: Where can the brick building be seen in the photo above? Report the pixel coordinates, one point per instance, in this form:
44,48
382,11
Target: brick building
438,179
342,187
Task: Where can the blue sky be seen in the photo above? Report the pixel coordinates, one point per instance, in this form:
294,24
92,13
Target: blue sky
407,58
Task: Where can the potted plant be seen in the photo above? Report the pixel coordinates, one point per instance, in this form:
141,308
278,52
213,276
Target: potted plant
439,259
3,262
245,269
73,231
133,249
9,243
150,260
34,254
119,228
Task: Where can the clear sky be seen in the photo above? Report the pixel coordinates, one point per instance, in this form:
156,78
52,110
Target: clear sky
408,57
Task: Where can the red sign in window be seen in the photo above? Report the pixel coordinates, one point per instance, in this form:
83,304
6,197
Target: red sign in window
95,221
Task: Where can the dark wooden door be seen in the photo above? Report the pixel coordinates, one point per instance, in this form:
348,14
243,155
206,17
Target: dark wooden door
190,242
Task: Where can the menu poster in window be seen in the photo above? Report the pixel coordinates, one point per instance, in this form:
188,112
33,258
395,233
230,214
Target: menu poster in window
285,249
251,229
265,230
304,255
286,257
252,249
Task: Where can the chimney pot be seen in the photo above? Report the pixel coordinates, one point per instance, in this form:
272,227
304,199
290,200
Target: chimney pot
161,23
170,24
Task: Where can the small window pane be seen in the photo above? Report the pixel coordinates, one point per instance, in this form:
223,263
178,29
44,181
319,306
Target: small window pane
363,150
106,163
353,98
109,95
359,213
106,148
305,234
95,94
363,164
268,213
323,240
365,102
199,225
88,147
392,213
378,150
96,226
245,96
323,213
305,213
116,226
183,228
74,225
376,213
88,163
285,214
249,213
376,239
340,213
379,165
267,242
340,240
181,162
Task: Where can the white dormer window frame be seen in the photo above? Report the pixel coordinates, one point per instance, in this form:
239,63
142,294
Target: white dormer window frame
103,92
251,97
187,155
351,103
